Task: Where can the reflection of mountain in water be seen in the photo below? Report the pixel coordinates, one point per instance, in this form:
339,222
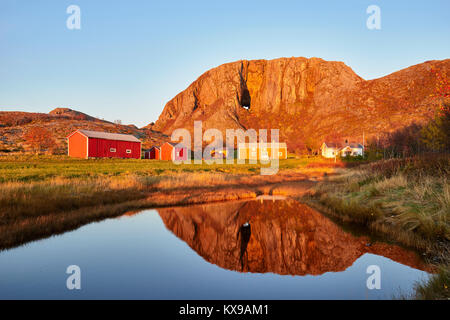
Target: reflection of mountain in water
284,237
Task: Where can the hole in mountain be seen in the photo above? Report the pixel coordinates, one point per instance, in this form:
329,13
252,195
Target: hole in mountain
195,102
245,99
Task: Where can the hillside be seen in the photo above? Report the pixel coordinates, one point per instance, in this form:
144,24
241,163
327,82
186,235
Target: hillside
60,123
309,100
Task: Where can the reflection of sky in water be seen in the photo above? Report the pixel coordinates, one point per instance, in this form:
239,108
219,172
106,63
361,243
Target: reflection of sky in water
137,257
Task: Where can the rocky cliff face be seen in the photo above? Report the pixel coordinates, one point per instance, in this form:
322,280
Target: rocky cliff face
307,99
284,237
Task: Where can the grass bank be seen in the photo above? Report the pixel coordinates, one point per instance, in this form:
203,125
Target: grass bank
406,200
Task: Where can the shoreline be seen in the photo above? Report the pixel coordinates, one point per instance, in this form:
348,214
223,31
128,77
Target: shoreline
52,223
297,186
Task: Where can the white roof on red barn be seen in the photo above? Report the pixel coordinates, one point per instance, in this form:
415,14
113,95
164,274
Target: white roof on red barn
108,135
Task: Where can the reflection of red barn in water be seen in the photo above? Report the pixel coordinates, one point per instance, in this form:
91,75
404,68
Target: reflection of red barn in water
173,151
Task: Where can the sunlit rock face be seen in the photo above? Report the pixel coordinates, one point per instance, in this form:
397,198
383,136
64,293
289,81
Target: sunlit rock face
306,99
283,237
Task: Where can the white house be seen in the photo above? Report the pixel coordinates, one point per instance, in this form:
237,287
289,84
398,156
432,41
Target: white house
352,149
334,149
331,149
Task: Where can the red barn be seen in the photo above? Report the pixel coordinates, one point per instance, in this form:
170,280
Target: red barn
153,153
93,144
170,151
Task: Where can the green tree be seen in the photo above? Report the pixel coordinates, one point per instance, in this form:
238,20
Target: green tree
432,136
436,134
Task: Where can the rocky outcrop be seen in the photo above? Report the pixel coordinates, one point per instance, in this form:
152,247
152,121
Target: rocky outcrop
284,237
307,99
71,114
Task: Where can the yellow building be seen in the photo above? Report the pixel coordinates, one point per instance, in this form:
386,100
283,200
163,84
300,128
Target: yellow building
262,151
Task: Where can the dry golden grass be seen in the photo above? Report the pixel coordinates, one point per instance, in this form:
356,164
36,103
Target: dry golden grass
192,180
20,200
38,209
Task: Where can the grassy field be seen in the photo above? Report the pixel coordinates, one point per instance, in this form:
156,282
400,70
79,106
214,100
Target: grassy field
39,168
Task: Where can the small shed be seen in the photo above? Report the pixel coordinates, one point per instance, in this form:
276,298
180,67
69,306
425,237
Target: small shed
95,144
153,153
174,152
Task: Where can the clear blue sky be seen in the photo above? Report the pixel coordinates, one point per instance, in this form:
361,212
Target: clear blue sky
131,57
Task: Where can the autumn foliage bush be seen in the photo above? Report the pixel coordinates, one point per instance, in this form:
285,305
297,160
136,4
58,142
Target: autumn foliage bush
39,139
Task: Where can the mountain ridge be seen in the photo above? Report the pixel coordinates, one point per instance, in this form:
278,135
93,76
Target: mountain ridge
308,99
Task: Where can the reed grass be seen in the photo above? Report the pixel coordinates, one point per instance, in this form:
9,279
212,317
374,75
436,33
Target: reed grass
397,197
435,288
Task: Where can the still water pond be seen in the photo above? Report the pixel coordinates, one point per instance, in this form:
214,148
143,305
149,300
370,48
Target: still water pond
263,249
